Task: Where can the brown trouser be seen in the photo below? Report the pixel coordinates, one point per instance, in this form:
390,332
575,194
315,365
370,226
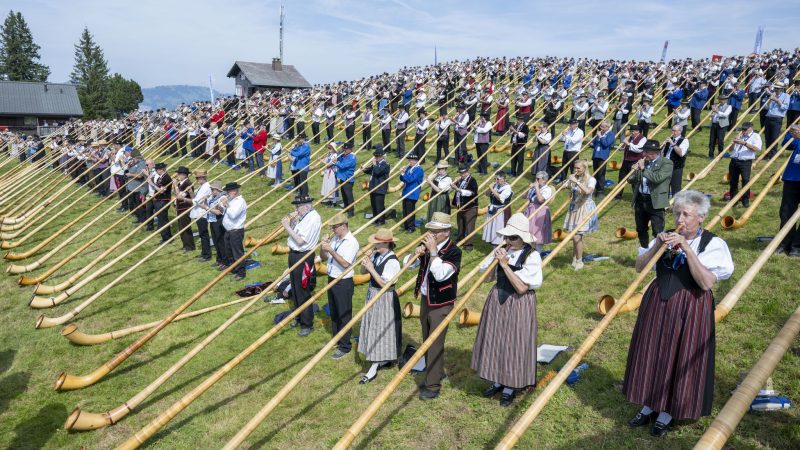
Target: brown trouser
466,224
430,318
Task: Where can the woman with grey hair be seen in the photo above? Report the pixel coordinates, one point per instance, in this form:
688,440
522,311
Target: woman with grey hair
670,370
540,225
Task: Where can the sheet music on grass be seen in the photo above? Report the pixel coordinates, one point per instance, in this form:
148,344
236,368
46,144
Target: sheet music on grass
546,353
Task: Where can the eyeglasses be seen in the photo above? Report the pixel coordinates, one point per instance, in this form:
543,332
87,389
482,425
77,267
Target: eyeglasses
512,238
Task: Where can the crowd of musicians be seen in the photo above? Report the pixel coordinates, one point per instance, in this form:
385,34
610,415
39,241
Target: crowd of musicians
465,106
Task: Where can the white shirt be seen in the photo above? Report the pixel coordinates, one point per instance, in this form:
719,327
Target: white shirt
744,153
116,167
637,148
346,247
390,269
531,271
681,149
235,214
202,194
716,257
572,140
308,228
544,137
443,182
438,268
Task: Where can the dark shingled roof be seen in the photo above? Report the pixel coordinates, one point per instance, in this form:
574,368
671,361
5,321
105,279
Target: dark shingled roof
26,98
261,74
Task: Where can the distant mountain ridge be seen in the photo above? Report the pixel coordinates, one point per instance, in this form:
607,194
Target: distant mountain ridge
173,95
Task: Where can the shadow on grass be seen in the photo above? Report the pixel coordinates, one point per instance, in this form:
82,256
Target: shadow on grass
365,443
11,387
37,430
6,359
213,407
300,414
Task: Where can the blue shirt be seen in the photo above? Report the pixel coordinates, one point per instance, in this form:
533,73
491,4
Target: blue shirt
345,168
613,80
602,145
778,109
792,172
412,179
794,102
247,135
736,98
699,98
382,104
674,98
407,95
302,157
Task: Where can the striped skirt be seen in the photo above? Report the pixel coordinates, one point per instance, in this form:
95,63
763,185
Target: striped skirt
671,357
505,344
381,328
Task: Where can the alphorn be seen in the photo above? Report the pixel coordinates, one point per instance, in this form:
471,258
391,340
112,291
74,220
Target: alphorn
230,321
68,382
735,408
510,439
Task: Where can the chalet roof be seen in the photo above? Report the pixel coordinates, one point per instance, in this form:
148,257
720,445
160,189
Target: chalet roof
39,99
262,74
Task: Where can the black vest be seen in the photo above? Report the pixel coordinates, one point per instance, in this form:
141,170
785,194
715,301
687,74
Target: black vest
504,287
379,269
462,201
672,280
678,161
440,293
495,203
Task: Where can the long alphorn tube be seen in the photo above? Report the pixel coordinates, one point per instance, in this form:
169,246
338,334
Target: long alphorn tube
513,435
98,420
277,398
275,401
732,223
739,403
370,412
732,297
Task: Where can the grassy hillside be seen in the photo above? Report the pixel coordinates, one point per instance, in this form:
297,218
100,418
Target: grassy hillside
592,414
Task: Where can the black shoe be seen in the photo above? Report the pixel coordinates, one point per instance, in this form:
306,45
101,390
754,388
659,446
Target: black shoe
780,251
150,228
163,241
795,252
305,332
641,419
222,267
660,429
492,390
238,277
365,379
204,258
427,394
507,399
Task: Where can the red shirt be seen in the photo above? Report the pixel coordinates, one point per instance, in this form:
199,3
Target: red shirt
259,141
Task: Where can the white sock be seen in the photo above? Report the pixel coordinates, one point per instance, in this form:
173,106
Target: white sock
646,411
373,370
507,391
664,418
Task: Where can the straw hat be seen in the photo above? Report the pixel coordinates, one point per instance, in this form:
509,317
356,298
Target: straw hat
518,226
200,173
338,218
439,221
442,165
383,236
216,184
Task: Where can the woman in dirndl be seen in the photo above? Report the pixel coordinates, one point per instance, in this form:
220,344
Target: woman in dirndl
499,196
381,327
538,214
581,206
502,120
505,345
275,163
440,187
329,190
670,370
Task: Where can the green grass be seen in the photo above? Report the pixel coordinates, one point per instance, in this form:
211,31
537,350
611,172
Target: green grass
592,414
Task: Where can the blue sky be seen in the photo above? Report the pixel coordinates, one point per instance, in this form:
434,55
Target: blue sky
182,41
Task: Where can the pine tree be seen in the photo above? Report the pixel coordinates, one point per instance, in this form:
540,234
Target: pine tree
90,73
123,95
18,53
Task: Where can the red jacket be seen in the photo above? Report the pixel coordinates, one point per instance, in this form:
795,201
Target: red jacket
259,141
218,116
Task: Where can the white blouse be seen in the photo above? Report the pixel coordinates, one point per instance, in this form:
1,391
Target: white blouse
390,269
716,257
531,272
